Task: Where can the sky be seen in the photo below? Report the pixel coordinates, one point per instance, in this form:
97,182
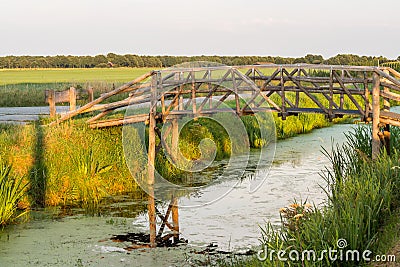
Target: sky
207,27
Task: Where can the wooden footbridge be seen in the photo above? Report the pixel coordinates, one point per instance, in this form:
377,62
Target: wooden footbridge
165,95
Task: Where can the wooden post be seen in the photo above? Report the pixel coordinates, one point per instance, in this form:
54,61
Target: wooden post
52,102
375,116
175,219
386,131
331,95
209,89
151,164
194,106
386,137
175,139
72,98
367,94
237,100
180,102
90,94
283,107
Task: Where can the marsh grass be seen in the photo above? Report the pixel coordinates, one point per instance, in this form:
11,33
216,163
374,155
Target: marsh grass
12,190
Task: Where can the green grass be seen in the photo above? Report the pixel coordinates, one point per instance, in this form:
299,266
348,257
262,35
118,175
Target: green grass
40,76
12,190
25,87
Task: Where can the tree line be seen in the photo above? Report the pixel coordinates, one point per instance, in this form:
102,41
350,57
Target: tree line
138,61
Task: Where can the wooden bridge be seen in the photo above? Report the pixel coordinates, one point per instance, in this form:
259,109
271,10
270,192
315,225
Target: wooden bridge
165,95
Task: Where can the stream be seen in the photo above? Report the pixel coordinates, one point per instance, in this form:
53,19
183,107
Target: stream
233,222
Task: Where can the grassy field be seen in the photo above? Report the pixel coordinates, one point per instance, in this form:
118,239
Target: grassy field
25,87
42,76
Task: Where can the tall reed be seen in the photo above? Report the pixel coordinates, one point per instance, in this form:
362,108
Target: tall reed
361,196
12,190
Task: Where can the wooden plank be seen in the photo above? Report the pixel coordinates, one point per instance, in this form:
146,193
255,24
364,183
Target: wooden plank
120,121
389,115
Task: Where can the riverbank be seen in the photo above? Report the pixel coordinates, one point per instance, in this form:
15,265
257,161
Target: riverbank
359,221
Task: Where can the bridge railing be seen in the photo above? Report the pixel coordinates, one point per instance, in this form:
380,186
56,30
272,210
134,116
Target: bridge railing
286,89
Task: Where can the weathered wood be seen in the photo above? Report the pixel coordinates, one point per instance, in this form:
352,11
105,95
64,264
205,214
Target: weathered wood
120,121
375,116
90,93
235,89
72,98
175,139
313,98
386,138
366,98
349,95
331,102
102,98
175,219
52,102
164,220
151,163
282,93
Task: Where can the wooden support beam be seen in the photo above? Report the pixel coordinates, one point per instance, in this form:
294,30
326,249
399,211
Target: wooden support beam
283,98
175,219
90,93
376,144
367,96
164,220
331,102
194,104
348,93
313,98
235,89
151,207
72,98
52,102
175,139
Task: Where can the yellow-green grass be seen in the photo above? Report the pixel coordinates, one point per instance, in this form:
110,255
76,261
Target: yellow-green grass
35,76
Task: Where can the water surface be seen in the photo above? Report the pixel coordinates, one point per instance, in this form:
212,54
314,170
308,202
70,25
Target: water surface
232,222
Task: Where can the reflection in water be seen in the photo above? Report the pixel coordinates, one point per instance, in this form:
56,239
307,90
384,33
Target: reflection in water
232,222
